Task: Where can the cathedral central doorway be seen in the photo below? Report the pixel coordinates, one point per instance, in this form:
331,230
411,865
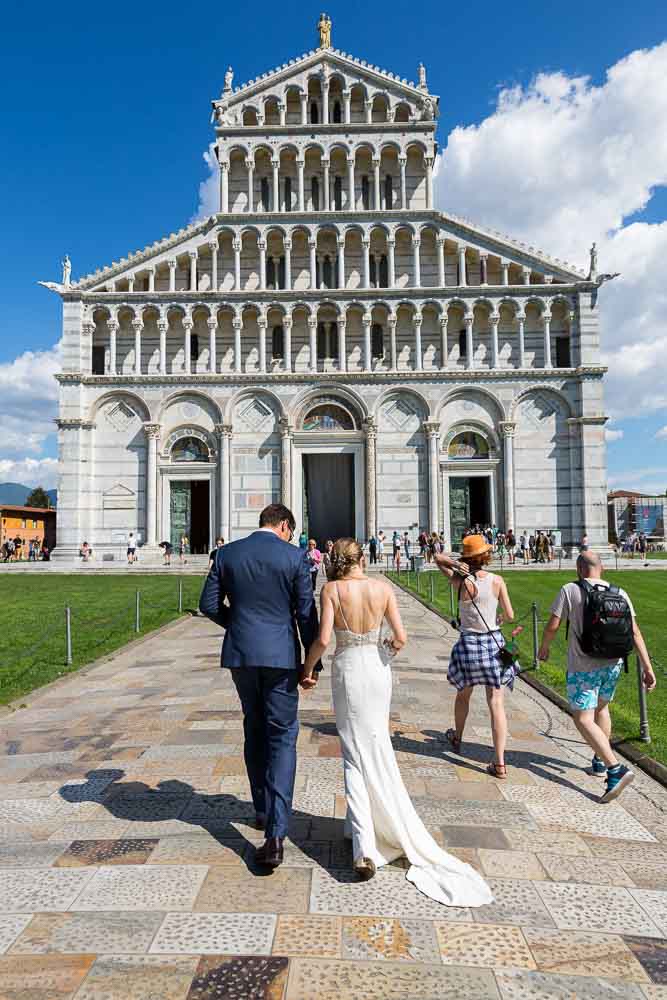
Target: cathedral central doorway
328,497
189,514
469,504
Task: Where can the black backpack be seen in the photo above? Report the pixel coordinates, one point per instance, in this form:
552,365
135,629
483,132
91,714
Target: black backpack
607,632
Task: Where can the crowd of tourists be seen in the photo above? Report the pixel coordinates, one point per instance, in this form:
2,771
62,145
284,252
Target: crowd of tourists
19,549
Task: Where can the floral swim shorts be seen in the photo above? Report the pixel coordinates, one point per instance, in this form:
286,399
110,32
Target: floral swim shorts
586,688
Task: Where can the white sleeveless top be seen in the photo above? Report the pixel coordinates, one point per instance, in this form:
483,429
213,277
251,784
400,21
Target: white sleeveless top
486,601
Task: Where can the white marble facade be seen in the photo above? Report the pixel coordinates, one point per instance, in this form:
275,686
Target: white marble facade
329,309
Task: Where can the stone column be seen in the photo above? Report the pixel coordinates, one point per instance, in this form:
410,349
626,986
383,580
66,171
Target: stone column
369,111
172,275
261,246
130,283
152,432
250,167
301,164
212,323
224,433
376,182
325,183
347,97
87,331
236,245
377,258
138,327
505,269
304,108
163,326
470,347
417,327
187,345
370,429
350,184
237,323
312,328
428,161
287,327
444,347
213,247
416,243
261,326
495,320
508,428
367,319
391,322
440,246
286,433
342,345
521,321
275,163
193,255
287,243
151,279
113,330
546,319
341,262
432,432
483,270
402,161
461,250
224,187
325,102
525,275
276,273
282,111
312,245
365,245
391,261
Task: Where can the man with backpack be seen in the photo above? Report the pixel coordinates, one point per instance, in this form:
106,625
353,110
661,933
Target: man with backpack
602,632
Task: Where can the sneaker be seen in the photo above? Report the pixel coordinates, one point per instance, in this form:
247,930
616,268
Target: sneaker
598,767
618,778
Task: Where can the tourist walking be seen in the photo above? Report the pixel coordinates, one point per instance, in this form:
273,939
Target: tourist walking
602,631
381,820
131,549
183,546
303,540
326,558
314,557
510,542
259,591
396,551
407,546
381,541
219,542
476,657
167,549
373,550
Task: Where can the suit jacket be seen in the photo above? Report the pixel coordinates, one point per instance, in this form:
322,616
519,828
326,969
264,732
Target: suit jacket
267,584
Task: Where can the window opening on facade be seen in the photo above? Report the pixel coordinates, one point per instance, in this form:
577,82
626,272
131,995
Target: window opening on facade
288,194
338,194
315,193
365,192
337,115
377,341
563,359
388,191
264,194
327,272
278,343
194,348
314,113
463,346
98,360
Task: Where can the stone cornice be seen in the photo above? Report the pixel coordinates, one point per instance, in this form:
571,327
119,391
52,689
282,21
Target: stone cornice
598,420
332,129
73,423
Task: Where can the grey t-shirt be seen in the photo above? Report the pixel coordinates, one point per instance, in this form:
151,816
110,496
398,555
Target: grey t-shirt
569,604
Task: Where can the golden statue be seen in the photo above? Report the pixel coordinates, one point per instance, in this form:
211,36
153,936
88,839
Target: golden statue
324,25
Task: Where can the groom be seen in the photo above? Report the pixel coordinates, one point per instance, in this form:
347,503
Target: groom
267,584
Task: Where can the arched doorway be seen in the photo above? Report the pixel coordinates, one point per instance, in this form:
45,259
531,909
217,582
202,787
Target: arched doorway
189,477
471,499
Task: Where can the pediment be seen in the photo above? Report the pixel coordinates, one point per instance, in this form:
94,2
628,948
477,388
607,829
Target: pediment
118,490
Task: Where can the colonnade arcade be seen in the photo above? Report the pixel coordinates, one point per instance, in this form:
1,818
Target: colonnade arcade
330,336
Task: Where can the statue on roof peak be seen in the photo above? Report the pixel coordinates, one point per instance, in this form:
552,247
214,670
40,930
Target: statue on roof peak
229,76
422,77
67,271
324,26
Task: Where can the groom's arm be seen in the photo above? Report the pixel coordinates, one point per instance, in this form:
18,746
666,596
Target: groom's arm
305,611
212,600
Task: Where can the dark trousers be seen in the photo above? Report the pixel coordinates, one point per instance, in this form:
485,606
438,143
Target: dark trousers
270,702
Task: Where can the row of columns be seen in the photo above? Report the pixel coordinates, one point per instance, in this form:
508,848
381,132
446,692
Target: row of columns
324,108
326,184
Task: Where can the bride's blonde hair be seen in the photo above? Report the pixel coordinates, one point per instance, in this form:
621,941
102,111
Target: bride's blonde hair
347,553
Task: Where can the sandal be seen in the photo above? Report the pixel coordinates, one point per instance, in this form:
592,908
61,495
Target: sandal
496,770
365,868
453,740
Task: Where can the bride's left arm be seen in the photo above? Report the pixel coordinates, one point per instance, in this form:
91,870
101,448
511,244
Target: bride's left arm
319,647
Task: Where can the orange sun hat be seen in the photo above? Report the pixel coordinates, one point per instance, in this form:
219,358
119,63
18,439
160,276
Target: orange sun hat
474,545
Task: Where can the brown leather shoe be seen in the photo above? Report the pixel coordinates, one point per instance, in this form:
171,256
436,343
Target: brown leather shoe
260,821
271,853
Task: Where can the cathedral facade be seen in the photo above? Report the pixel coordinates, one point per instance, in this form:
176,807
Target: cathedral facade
329,339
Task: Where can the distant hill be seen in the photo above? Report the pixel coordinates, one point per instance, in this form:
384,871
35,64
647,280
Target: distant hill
15,493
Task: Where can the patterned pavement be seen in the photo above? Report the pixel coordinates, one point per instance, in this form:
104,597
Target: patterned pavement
126,848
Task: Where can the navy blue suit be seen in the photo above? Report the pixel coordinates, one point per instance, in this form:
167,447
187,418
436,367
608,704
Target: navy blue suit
267,585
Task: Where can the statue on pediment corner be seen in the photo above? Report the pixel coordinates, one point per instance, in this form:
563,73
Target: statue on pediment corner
67,271
428,110
229,79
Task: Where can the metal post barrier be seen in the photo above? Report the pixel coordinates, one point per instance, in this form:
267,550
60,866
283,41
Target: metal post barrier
616,557
68,636
451,601
560,559
536,662
137,616
431,585
644,732
417,580
180,595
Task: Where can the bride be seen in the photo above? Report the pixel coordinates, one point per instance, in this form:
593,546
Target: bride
380,816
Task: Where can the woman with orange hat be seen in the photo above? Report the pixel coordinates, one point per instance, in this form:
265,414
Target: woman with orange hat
476,657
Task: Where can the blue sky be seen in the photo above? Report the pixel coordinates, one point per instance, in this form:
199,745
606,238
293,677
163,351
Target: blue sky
105,117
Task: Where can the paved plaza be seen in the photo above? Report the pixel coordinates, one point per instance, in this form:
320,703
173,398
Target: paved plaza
126,846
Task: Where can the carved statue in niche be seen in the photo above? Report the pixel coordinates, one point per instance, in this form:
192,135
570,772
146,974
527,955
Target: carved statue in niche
428,112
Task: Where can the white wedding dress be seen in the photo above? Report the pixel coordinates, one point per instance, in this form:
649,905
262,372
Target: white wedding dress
380,817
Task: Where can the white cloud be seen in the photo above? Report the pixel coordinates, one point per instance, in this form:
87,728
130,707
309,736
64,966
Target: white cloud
28,405
30,471
209,192
650,479
662,433
611,435
561,163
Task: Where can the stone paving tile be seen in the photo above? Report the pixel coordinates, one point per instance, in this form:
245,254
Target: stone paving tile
516,901
491,946
32,889
42,977
389,894
655,904
549,842
141,887
220,977
11,925
106,829
605,821
88,933
386,939
215,934
488,837
315,935
651,954
475,772
32,790
520,985
647,873
28,854
198,848
139,977
462,790
581,953
604,908
286,890
511,864
581,870
83,853
322,979
654,992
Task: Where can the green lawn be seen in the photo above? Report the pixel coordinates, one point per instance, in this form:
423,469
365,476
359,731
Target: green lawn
648,594
32,639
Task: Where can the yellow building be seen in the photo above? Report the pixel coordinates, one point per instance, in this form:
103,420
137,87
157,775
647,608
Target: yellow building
28,524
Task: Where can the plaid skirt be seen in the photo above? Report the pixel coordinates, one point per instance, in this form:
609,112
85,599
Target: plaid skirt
475,660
